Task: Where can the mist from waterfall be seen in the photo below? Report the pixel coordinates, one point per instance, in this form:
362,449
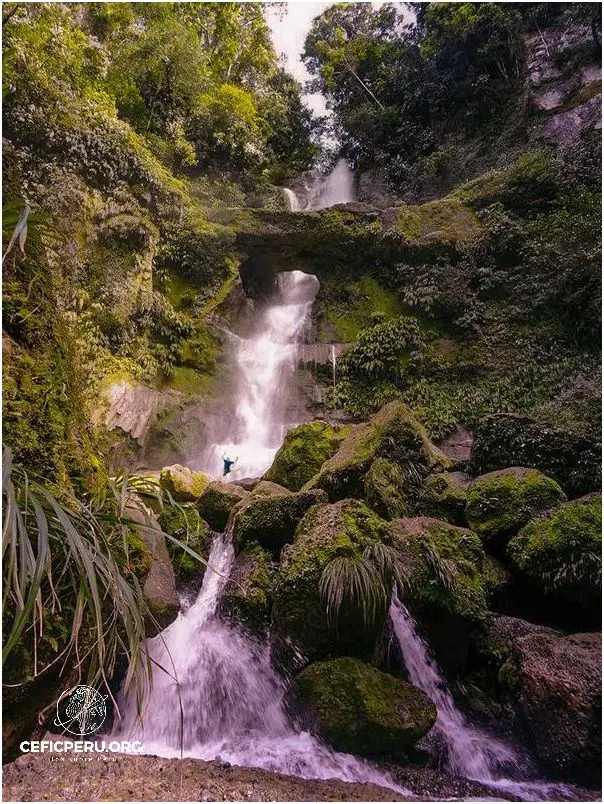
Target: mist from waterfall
215,695
265,365
319,191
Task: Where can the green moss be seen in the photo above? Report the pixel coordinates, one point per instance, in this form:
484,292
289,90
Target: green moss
353,306
183,484
444,496
444,220
271,520
384,489
500,503
393,434
359,709
561,553
299,616
304,450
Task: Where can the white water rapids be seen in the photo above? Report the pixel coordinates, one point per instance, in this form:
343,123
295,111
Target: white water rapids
228,702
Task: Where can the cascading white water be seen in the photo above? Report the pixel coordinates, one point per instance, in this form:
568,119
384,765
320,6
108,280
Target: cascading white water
333,365
265,365
292,198
337,188
470,752
228,702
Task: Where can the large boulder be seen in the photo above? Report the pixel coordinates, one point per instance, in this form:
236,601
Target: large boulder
247,595
384,489
356,708
301,627
444,496
271,520
217,502
266,488
183,483
303,452
448,582
501,502
556,681
506,439
394,434
560,554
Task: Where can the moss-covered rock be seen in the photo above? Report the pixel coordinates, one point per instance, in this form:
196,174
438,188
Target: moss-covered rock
448,583
299,619
184,523
561,553
393,434
247,596
384,489
303,452
267,488
505,439
356,708
183,484
500,503
217,502
444,496
271,520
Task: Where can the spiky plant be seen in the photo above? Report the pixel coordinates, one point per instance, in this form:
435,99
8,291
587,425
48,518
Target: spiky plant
72,562
362,582
444,569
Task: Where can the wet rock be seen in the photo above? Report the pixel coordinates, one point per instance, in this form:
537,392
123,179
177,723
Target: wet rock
356,708
247,596
393,434
184,484
217,502
271,520
300,626
501,502
185,525
557,683
304,450
448,578
266,488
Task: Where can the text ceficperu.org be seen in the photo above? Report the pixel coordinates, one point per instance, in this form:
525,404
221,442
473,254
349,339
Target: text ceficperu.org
80,746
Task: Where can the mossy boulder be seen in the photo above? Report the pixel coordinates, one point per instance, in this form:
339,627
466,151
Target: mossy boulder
448,583
185,524
271,521
358,709
300,625
217,502
393,434
500,503
384,489
556,682
506,439
303,452
560,554
183,483
247,596
266,488
444,496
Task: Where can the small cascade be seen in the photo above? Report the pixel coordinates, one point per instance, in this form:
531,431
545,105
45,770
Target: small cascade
215,695
292,198
336,188
469,752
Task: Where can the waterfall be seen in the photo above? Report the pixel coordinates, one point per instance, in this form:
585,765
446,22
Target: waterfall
265,366
469,751
292,199
336,188
228,703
